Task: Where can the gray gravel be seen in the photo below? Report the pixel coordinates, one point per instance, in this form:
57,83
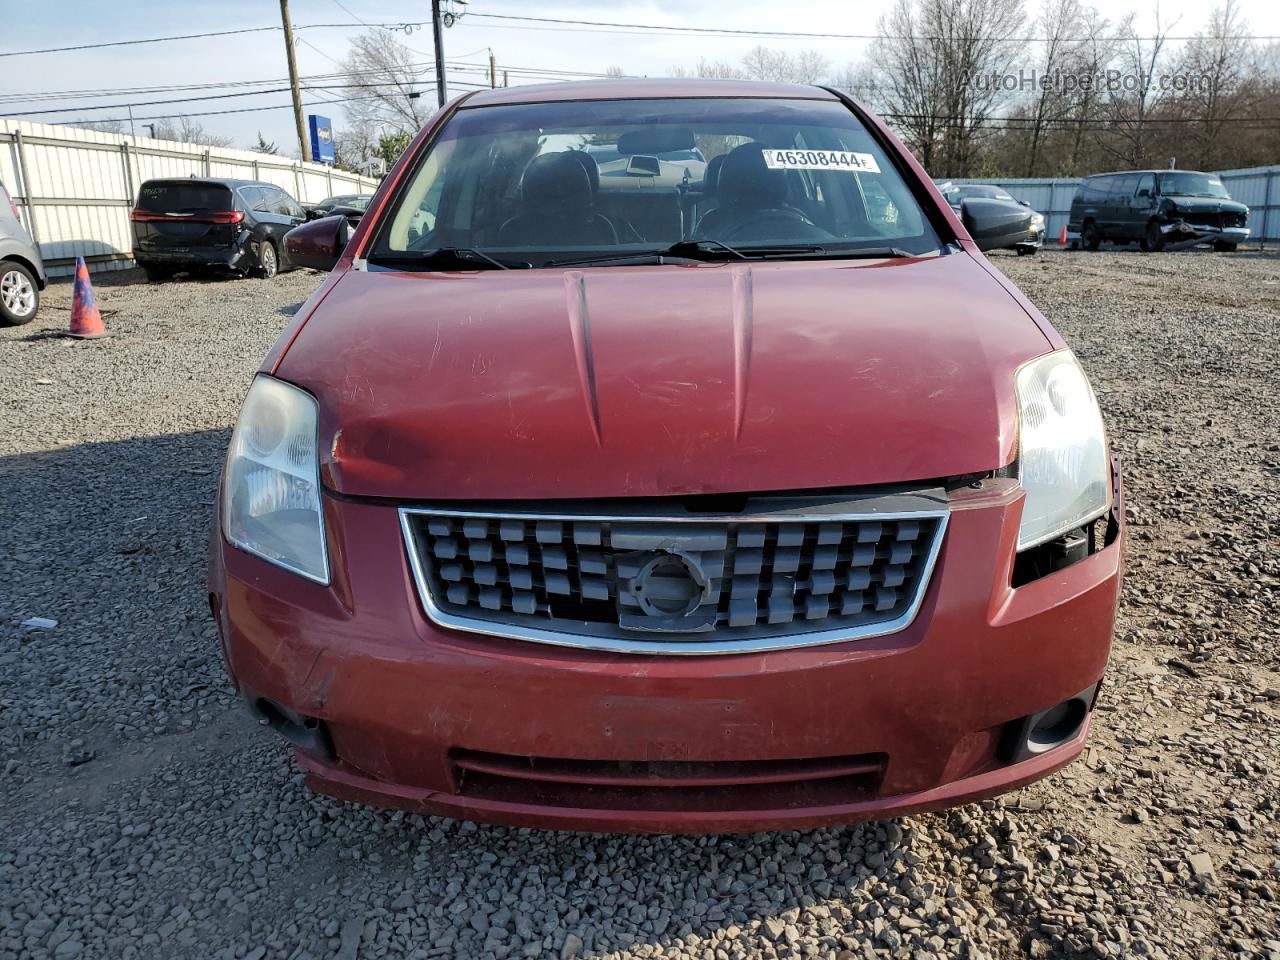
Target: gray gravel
144,816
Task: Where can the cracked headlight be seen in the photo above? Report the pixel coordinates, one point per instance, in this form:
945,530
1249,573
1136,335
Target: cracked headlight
1062,456
271,491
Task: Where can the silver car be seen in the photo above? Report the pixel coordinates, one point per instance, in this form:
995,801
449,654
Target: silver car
22,275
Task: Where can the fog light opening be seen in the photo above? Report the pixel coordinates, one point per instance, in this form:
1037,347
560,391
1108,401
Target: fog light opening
1056,726
308,734
1045,730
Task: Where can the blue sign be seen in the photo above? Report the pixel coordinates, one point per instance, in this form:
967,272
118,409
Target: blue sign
321,138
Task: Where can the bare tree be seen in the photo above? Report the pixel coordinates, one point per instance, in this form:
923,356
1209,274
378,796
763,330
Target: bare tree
943,62
767,63
1220,71
614,72
1061,23
186,130
1132,105
102,126
384,82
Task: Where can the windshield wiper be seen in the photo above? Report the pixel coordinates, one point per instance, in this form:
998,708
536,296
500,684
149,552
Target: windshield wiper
680,251
719,251
450,258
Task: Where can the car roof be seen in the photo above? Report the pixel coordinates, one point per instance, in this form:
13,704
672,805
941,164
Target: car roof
220,181
1121,173
643,89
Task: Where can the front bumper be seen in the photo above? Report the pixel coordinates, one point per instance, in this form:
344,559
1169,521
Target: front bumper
407,707
1198,232
1033,241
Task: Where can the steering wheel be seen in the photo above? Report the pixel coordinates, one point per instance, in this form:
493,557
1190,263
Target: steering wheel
787,218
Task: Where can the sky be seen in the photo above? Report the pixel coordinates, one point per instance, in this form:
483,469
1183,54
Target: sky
319,49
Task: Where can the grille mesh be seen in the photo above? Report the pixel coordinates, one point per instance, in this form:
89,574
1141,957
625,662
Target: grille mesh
675,581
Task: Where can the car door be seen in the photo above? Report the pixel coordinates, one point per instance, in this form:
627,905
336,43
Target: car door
257,196
1142,205
1118,213
289,214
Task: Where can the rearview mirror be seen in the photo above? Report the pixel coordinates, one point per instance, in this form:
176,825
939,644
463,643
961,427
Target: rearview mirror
318,244
994,224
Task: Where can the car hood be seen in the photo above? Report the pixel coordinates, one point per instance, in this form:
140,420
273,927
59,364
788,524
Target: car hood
644,381
1206,204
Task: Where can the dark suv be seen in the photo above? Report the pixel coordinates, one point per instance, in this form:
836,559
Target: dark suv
1157,209
236,226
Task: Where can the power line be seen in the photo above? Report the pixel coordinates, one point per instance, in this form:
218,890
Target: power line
174,88
198,36
454,66
735,32
597,26
220,96
130,43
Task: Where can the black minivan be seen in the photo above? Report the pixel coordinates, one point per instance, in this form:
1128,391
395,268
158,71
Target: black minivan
233,226
1157,209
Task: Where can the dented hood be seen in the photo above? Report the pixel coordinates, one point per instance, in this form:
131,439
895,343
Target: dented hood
643,381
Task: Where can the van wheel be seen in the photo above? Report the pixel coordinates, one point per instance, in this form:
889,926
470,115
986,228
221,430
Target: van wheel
1223,246
1090,237
268,263
1153,240
19,295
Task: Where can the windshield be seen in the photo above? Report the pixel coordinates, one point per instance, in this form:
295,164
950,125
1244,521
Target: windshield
548,182
1192,185
984,192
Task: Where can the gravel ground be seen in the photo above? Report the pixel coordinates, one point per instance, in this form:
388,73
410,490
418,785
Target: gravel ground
145,816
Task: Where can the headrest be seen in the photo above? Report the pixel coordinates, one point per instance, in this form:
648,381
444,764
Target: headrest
711,176
745,179
588,163
558,181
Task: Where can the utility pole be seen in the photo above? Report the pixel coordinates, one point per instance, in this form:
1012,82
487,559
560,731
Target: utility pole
504,78
437,31
493,70
293,78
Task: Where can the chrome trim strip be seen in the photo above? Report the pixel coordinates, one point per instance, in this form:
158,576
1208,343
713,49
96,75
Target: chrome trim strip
668,647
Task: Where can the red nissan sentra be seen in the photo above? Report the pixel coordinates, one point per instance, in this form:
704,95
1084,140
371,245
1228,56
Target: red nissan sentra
665,456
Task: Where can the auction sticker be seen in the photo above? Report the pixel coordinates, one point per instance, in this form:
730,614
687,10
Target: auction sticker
820,160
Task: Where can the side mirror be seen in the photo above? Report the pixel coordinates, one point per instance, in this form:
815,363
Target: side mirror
318,244
995,224
1144,192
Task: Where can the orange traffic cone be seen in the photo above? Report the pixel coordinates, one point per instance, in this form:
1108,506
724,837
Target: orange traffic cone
1062,236
86,321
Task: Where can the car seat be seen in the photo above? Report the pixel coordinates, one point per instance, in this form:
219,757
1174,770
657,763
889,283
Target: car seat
752,202
557,206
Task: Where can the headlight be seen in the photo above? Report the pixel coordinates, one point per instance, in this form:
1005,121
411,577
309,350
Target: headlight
271,491
1063,449
1037,220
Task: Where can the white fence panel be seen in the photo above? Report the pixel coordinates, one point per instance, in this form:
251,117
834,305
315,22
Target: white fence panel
74,188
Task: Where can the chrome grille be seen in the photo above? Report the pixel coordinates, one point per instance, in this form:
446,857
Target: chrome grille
673,584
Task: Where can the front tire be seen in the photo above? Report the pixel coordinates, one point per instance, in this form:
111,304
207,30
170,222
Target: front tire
268,261
1153,240
1026,251
1224,246
1090,237
19,294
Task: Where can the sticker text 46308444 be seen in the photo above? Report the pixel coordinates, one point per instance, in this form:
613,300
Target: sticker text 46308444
820,160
